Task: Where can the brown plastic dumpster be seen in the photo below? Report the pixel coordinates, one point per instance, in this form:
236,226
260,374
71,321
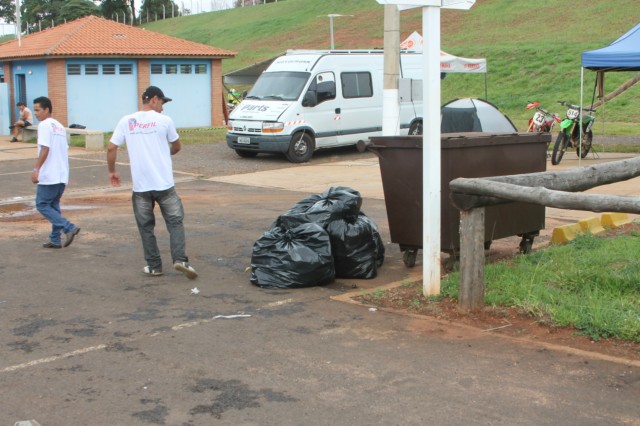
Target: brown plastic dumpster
467,155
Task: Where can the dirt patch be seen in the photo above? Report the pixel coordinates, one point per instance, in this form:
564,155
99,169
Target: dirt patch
408,298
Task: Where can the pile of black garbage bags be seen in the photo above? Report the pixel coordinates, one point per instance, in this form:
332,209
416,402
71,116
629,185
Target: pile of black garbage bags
321,237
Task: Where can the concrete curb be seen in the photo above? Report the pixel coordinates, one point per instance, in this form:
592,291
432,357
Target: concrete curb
349,298
593,225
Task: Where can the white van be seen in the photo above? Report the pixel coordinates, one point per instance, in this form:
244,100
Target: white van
308,100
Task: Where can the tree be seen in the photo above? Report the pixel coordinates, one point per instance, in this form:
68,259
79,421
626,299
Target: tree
152,10
7,11
74,9
39,14
116,9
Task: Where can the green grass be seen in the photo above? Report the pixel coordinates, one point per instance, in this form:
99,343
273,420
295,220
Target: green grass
591,283
532,48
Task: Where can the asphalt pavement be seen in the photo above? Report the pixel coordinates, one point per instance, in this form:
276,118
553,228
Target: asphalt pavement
87,339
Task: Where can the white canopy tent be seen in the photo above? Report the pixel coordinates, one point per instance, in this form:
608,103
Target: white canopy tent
450,63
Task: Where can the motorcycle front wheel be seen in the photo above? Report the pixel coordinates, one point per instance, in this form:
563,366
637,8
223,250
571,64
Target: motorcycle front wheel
559,148
587,139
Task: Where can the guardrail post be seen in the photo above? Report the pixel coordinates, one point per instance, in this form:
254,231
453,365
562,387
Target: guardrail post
471,294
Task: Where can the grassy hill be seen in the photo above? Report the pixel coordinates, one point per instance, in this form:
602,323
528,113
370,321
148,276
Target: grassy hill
533,47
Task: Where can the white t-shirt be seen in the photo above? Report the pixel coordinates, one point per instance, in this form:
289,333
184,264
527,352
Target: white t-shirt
147,135
56,167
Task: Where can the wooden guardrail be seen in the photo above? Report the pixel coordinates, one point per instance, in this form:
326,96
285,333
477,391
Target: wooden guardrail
552,189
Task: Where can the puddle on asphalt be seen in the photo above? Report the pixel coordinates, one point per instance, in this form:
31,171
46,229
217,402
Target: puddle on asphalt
22,209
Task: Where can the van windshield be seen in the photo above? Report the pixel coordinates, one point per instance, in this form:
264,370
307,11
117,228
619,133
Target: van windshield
281,86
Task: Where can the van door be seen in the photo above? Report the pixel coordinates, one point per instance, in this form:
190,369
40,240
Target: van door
319,104
361,108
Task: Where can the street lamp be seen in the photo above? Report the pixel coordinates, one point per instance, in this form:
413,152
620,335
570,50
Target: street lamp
331,16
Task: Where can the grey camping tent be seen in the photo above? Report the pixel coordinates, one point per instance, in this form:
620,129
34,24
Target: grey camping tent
473,115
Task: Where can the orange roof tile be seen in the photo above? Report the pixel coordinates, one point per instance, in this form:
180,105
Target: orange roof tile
95,36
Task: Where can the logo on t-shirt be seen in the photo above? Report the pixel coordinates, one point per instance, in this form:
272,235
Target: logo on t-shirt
135,125
57,129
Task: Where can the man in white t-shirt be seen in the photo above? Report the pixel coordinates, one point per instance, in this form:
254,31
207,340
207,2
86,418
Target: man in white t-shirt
51,173
151,140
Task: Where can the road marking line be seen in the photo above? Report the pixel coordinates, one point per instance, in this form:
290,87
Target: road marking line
52,358
104,346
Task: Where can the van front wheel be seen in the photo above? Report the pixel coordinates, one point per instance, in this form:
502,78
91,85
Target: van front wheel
300,148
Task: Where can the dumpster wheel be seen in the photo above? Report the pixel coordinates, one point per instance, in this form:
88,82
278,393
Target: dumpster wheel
409,257
526,244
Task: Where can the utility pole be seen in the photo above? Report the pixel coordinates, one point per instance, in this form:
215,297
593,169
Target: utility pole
391,98
18,24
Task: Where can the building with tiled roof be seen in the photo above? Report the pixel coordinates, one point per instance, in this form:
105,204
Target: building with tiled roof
94,71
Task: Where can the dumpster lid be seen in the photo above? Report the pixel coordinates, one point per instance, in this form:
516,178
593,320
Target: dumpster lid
455,140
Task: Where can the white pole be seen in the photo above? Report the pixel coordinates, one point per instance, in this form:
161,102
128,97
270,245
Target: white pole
18,24
391,99
431,163
163,12
331,29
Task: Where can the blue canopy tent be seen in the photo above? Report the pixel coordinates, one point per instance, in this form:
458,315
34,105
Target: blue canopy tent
621,55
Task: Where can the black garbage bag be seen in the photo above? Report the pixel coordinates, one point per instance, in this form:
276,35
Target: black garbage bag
292,258
357,247
335,203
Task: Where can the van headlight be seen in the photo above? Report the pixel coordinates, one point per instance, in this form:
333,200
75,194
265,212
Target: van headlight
272,127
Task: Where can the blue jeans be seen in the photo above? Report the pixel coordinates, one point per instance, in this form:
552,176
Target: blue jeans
48,204
173,214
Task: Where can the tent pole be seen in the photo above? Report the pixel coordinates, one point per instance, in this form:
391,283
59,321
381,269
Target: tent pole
580,119
486,95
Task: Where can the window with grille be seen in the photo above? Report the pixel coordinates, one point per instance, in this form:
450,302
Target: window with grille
108,69
91,69
74,69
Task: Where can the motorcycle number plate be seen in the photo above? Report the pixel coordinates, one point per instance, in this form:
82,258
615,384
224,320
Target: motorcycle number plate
573,113
538,118
246,140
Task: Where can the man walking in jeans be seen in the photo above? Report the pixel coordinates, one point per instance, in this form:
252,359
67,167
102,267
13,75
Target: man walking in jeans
51,173
151,140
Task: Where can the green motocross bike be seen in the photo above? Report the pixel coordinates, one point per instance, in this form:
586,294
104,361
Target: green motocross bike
570,132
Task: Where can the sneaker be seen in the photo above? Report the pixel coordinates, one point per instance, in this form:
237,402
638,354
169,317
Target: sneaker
152,272
186,269
13,140
69,236
51,245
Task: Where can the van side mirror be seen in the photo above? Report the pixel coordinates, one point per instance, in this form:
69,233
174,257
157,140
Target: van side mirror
310,99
